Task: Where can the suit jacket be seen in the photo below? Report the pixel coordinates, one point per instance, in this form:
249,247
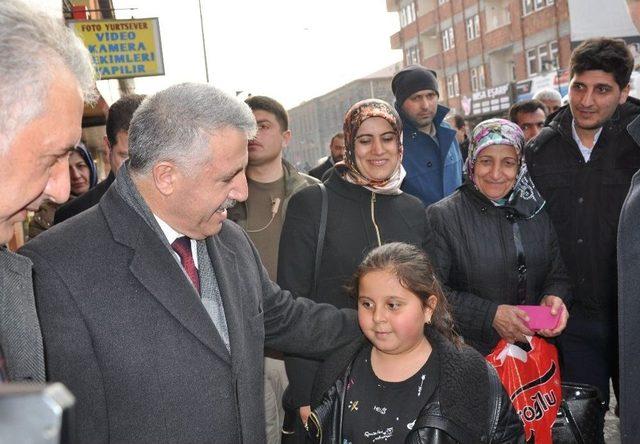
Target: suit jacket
319,171
83,202
125,330
20,336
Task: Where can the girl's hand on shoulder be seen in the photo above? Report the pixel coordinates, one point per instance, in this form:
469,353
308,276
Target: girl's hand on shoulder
557,306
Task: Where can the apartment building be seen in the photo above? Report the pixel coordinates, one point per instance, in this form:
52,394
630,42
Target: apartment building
490,53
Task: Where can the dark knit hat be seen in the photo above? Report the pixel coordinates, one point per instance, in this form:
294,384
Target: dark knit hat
412,79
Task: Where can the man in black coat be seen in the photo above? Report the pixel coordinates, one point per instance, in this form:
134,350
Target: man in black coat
336,147
167,346
629,306
116,144
582,164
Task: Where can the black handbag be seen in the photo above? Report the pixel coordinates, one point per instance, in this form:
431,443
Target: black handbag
580,415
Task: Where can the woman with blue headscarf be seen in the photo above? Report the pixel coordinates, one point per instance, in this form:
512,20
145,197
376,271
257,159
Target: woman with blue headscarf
493,244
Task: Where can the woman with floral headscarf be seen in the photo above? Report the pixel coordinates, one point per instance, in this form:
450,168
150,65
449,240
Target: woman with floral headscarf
366,208
493,244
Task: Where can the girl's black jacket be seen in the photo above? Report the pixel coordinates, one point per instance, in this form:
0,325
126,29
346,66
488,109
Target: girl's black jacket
468,406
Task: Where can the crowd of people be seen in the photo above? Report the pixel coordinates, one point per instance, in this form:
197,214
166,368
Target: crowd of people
207,291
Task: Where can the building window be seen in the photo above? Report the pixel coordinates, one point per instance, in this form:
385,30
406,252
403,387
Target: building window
530,6
554,55
448,40
473,27
532,62
477,79
407,14
543,58
412,55
527,6
453,86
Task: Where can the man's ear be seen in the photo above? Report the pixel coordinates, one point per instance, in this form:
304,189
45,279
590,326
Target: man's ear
107,148
165,177
286,137
624,93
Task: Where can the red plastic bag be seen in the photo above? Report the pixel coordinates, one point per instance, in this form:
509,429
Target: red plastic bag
532,380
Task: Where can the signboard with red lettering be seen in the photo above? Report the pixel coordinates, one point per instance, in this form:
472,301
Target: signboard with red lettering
122,48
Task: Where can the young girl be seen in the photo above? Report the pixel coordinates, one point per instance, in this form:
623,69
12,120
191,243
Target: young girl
411,381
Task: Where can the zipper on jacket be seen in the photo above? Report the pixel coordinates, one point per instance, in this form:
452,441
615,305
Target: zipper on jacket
373,218
316,421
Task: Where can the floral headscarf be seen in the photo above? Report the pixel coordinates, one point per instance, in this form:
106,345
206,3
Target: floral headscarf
524,197
348,168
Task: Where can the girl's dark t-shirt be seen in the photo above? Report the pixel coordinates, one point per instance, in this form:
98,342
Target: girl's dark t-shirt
377,411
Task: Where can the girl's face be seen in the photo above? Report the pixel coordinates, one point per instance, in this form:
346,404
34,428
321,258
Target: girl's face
390,316
377,149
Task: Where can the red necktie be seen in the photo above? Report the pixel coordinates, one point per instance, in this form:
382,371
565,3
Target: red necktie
182,246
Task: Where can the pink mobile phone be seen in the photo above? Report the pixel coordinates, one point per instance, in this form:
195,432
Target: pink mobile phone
540,317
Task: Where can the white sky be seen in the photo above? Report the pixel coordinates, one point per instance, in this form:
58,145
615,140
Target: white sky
291,50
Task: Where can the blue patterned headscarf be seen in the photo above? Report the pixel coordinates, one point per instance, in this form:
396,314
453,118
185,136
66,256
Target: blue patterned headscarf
524,198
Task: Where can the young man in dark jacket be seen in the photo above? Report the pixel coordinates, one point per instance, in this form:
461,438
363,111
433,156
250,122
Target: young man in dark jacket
582,164
431,154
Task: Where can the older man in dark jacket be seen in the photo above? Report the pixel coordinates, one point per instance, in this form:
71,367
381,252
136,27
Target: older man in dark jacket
582,164
167,346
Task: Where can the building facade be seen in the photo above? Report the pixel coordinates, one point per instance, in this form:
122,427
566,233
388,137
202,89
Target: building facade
314,122
490,53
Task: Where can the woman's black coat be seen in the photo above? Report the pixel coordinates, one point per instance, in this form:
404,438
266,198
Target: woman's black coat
472,246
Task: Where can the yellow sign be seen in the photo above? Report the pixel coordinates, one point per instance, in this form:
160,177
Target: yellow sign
122,48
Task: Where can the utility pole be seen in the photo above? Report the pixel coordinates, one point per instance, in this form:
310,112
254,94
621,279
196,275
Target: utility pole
204,46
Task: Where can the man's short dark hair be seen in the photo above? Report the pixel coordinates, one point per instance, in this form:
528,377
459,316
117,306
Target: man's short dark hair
458,121
526,106
339,135
120,113
608,55
264,103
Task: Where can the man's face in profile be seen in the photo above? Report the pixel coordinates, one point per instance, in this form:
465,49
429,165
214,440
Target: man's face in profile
35,166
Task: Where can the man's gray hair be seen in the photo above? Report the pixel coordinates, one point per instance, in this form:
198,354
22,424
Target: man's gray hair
548,94
33,47
176,125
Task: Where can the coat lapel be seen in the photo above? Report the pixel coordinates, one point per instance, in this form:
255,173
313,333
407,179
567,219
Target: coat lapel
156,269
226,269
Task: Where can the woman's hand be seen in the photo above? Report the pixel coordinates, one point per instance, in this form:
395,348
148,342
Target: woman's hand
305,411
557,306
510,323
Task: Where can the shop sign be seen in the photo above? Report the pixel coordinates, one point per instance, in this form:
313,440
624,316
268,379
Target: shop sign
490,101
558,80
122,48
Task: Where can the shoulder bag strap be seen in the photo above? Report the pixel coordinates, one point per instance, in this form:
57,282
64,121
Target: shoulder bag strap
321,232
